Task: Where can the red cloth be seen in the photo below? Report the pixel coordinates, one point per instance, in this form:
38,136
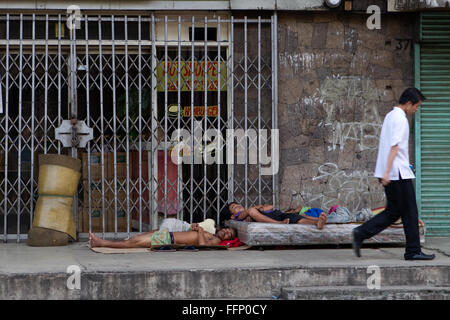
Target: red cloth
231,243
332,209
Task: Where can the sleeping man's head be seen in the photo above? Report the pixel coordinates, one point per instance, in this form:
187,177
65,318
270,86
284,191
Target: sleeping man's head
234,208
226,234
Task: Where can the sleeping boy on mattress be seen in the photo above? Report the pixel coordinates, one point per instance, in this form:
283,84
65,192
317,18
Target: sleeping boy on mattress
267,213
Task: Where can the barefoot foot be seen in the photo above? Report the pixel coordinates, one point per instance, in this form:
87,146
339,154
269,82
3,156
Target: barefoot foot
322,221
94,241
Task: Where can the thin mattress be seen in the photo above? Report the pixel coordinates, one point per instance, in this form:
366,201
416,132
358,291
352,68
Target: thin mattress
257,233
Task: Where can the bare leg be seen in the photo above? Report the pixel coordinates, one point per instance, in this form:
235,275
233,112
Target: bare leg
139,241
319,222
307,221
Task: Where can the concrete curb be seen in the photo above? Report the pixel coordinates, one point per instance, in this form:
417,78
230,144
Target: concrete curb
363,293
207,283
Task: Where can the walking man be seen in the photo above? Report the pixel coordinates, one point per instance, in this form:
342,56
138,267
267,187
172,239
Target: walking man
394,172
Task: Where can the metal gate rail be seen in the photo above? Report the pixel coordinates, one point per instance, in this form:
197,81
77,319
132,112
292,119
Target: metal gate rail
138,81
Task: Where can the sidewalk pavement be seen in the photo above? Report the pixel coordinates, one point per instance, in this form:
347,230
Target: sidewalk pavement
20,258
44,272
440,244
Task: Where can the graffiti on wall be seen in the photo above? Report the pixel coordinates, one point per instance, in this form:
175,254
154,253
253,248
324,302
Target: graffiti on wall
352,190
351,107
351,113
301,62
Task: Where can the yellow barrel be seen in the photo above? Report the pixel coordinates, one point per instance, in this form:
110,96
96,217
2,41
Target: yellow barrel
58,181
55,212
59,176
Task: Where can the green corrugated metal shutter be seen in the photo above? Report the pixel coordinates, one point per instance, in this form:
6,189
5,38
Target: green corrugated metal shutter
434,82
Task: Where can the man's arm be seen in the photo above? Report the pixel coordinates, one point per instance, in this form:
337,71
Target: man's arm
243,215
392,154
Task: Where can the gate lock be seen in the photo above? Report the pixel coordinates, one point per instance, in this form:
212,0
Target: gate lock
74,133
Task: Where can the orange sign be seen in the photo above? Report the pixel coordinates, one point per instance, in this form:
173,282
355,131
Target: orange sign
199,111
212,76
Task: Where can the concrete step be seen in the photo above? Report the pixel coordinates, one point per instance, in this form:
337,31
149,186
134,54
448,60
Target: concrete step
363,293
310,282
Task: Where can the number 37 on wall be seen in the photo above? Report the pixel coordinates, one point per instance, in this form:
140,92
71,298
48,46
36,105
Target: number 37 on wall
402,44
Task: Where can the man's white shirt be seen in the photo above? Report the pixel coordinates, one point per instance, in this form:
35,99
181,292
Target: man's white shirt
395,131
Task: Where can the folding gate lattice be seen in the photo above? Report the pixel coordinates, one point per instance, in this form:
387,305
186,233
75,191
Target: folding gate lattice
141,83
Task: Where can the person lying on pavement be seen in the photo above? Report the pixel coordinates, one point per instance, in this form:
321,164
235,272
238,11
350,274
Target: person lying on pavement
197,236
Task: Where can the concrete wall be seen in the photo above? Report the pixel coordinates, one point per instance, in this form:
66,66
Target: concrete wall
337,81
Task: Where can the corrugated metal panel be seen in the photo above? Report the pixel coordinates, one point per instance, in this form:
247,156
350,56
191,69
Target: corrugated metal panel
435,123
435,26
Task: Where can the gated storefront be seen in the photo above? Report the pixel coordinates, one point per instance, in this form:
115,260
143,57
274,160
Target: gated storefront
118,92
433,122
103,88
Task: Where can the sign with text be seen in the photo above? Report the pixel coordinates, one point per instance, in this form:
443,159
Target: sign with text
184,68
199,111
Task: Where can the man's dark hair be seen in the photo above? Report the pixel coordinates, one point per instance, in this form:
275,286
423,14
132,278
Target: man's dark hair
225,227
226,213
411,94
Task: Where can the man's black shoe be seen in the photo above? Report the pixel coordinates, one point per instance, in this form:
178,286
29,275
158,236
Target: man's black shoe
421,256
357,241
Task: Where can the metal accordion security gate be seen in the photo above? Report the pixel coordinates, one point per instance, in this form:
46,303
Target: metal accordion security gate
171,116
432,126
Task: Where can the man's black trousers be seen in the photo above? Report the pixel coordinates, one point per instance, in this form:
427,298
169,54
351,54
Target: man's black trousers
401,202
